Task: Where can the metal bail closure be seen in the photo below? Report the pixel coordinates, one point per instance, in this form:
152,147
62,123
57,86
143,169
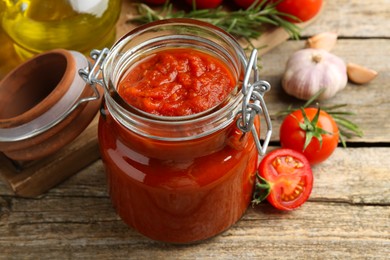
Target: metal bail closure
91,74
253,104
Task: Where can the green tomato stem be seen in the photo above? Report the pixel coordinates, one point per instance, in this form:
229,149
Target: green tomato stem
262,190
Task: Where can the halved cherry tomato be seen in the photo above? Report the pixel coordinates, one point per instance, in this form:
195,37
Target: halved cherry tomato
288,176
316,136
205,4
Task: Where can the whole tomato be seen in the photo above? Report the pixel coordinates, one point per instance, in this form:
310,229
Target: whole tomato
310,131
304,10
205,4
285,179
155,2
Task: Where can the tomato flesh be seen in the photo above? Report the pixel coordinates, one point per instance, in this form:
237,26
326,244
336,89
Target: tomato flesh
290,177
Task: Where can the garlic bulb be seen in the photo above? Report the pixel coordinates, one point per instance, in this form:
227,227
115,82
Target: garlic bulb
309,70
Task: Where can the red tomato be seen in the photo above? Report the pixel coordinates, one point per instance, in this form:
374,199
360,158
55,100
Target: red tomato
304,10
205,4
316,136
289,176
155,2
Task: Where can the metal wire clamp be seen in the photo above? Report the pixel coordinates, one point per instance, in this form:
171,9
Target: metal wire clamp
91,74
254,105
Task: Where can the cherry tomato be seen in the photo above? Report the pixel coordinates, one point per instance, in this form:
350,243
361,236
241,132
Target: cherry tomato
304,10
205,4
316,136
289,177
155,2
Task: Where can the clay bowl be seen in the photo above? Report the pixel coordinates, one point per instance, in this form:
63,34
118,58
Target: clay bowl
34,98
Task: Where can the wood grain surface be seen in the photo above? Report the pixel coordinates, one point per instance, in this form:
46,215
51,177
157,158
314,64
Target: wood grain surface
346,217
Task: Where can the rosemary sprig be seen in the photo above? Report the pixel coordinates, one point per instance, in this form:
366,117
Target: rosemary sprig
347,129
241,23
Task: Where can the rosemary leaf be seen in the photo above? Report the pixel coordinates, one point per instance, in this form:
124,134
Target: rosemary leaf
342,140
341,121
334,107
242,23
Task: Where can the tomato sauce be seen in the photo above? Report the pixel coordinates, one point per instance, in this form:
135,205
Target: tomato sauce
177,83
177,191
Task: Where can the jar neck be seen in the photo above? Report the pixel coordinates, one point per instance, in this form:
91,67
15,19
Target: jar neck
174,130
171,34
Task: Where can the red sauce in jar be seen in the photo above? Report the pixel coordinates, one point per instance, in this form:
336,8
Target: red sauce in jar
177,83
178,191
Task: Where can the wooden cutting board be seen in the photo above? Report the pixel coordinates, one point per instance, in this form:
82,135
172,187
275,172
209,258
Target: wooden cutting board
37,177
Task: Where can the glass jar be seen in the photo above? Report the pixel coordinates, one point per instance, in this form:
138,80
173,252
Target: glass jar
36,26
176,179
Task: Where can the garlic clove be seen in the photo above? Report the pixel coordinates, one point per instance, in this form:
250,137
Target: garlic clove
359,74
325,40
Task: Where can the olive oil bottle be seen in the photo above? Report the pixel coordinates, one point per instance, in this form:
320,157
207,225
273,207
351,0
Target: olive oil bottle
36,26
8,57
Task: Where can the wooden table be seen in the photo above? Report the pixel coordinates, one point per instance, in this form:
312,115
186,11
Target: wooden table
346,217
